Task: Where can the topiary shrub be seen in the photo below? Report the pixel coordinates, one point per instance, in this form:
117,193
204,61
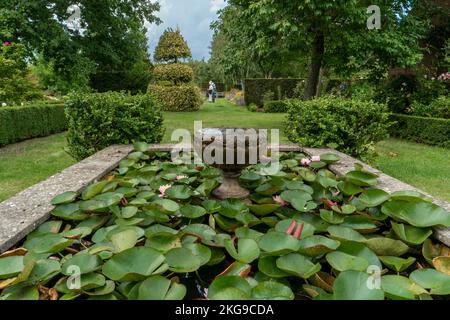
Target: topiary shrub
352,126
172,86
99,120
175,73
277,106
177,98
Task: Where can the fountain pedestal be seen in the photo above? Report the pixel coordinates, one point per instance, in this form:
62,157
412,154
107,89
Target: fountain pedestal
244,154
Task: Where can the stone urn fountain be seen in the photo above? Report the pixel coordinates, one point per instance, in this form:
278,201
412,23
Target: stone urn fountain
232,150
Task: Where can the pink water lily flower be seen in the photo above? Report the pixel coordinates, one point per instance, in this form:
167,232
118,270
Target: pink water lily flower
7,43
305,162
280,201
181,177
315,158
162,190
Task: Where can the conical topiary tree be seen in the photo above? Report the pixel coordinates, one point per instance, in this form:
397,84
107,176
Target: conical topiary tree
173,80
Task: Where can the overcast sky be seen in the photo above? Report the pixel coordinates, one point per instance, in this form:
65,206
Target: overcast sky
193,17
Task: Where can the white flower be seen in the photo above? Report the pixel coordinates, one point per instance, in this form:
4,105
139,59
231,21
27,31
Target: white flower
4,104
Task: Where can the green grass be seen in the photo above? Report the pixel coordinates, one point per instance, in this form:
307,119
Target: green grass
425,167
222,114
26,163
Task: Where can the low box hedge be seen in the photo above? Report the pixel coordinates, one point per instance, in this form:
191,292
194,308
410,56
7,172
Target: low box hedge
282,88
432,131
30,121
99,120
350,126
278,106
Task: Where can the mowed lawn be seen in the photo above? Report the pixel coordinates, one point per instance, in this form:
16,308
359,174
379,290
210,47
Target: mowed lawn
26,163
222,114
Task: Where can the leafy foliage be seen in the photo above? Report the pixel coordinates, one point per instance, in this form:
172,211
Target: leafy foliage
176,73
438,108
277,106
177,98
100,120
172,47
255,89
352,126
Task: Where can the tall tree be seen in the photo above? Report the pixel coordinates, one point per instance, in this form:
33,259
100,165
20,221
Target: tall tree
334,33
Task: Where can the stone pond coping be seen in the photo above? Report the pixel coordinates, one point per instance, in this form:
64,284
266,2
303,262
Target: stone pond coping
24,212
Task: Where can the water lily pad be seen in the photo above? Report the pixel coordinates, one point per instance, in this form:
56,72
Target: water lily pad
160,288
64,198
229,288
418,214
360,250
331,217
410,234
20,292
181,260
387,247
134,264
438,282
47,243
352,285
341,261
374,197
329,158
268,266
129,212
345,233
317,245
409,195
263,209
400,288
81,263
43,271
246,232
203,253
362,178
296,195
247,250
442,264
192,212
93,190
278,243
237,269
318,224
431,251
232,207
11,266
70,211
123,240
272,290
298,265
211,206
397,264
360,223
163,242
349,189
167,205
180,192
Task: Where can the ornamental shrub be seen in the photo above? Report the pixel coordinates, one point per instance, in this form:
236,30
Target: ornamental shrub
438,108
352,126
173,81
99,120
277,106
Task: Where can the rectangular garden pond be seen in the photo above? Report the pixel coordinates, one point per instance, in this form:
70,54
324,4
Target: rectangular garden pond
278,231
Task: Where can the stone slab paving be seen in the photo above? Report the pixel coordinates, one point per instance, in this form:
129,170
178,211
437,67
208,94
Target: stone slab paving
24,212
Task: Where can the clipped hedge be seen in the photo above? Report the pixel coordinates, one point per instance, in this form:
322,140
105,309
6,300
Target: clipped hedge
281,88
31,121
174,72
99,120
278,106
177,98
350,126
432,131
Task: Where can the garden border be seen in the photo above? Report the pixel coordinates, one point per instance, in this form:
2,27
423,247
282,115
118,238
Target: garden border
24,212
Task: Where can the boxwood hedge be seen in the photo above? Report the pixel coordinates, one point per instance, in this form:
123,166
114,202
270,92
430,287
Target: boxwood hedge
30,121
99,120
